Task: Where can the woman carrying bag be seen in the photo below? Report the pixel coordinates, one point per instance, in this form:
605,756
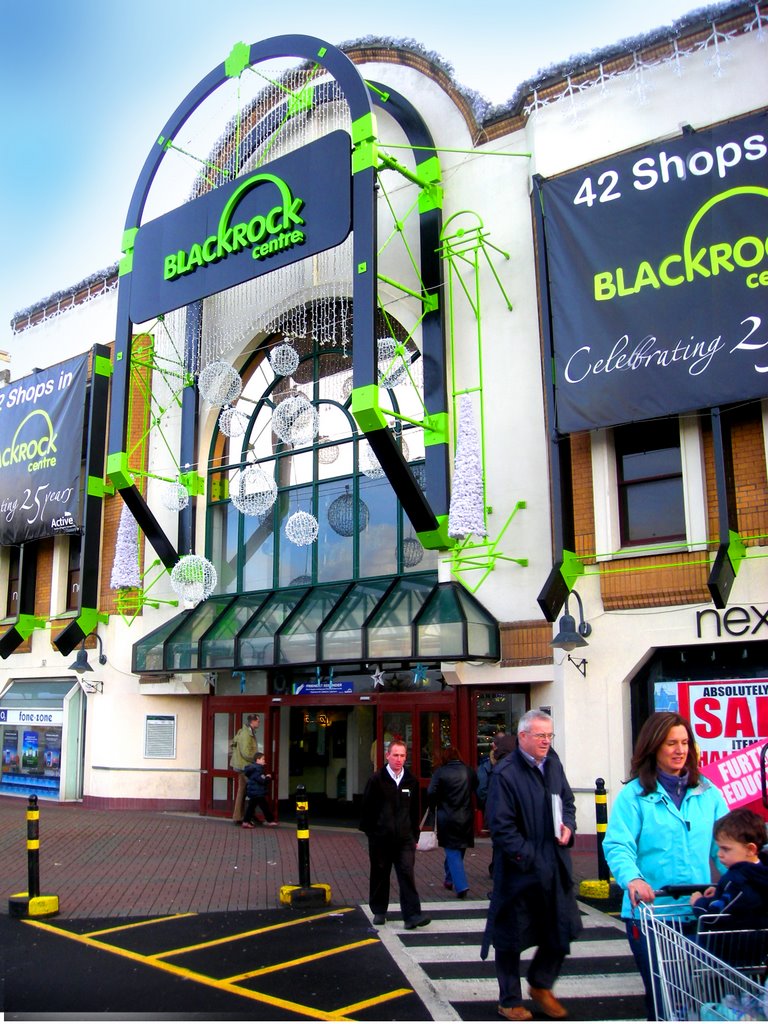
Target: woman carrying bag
450,795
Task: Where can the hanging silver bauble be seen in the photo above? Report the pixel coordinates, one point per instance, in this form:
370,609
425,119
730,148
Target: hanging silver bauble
328,454
175,496
300,581
284,360
193,578
295,420
346,519
391,366
346,388
369,464
420,475
302,528
232,422
219,383
254,491
413,552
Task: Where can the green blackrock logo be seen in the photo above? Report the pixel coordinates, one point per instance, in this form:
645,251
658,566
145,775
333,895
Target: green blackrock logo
38,452
264,234
694,262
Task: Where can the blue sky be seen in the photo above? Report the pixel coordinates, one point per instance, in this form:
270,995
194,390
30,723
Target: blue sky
86,86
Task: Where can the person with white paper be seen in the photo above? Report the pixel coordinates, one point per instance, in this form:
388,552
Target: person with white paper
533,901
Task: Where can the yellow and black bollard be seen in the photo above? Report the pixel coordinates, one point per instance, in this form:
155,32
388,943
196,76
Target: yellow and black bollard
304,894
601,888
31,903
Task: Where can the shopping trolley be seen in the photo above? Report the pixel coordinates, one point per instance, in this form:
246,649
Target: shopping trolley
702,969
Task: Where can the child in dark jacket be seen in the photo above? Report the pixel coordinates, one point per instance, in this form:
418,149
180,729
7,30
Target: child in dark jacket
256,791
742,892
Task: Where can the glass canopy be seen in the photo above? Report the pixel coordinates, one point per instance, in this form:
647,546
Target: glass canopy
403,619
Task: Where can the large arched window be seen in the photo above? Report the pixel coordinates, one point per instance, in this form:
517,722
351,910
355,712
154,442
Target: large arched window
334,476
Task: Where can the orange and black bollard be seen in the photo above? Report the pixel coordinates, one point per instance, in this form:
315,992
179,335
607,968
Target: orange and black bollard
31,903
305,894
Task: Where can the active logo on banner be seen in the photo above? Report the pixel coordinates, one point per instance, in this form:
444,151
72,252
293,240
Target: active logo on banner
41,437
658,277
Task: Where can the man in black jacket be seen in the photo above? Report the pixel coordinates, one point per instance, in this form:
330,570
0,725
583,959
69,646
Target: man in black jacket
391,822
531,816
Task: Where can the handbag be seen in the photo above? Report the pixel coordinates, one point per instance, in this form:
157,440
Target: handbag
427,837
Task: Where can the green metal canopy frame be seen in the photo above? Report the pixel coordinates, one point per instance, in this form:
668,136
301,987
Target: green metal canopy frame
429,517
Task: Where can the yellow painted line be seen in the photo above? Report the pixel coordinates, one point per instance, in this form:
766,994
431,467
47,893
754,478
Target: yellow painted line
136,924
246,935
365,1004
259,997
302,960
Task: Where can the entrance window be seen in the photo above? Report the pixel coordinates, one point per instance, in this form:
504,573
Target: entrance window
333,476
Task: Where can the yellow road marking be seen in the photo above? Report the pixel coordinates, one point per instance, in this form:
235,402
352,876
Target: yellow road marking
313,1013
302,960
246,935
136,924
366,1003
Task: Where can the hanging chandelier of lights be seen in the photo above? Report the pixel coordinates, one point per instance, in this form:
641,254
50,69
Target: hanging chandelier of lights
347,516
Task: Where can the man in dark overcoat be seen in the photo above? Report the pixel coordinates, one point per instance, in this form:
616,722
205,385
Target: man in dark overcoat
390,819
531,815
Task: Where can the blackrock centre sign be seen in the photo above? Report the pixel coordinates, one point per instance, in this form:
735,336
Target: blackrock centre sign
658,277
41,442
294,207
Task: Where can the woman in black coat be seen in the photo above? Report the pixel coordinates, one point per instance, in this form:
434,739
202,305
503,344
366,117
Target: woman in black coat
450,792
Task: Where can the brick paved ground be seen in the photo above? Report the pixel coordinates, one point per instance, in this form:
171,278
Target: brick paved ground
137,863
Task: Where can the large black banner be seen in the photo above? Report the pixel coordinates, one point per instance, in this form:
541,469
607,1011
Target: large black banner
41,442
658,277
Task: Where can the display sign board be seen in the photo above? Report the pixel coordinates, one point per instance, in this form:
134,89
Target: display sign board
657,262
727,715
294,207
325,687
41,440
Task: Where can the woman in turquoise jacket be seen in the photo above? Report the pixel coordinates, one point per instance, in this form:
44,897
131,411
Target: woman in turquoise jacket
660,830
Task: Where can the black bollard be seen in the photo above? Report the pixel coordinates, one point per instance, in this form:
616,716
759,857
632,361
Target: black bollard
601,823
304,894
302,834
31,903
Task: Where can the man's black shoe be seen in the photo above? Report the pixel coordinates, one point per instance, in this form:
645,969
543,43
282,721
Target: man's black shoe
418,922
379,919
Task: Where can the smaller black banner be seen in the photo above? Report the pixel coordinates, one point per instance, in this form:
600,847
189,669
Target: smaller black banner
41,439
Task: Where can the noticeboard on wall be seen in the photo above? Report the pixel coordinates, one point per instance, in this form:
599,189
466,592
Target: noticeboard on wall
657,264
41,436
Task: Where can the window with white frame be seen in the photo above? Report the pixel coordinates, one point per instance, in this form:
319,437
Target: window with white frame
649,486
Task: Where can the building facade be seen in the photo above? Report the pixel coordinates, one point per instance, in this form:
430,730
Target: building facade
393,476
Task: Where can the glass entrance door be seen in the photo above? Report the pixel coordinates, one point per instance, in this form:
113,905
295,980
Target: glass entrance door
222,721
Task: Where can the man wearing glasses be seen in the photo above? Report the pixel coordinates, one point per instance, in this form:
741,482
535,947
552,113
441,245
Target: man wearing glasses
531,815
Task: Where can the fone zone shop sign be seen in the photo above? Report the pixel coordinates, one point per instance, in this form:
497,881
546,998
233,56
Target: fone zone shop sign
658,277
294,207
41,440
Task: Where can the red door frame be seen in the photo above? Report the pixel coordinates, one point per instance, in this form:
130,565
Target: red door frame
455,702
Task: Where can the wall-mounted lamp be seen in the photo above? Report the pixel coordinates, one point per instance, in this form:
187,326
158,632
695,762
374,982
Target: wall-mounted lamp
81,663
580,665
569,637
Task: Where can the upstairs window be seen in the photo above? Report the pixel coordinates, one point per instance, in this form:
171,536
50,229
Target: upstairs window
650,482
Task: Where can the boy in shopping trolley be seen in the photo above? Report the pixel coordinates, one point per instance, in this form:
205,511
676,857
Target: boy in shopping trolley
742,891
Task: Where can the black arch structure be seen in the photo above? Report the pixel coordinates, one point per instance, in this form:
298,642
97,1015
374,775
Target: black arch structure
429,520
